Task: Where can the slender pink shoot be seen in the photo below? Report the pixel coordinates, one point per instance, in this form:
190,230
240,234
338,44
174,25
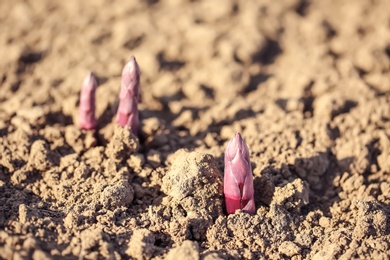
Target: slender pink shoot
238,179
87,103
127,114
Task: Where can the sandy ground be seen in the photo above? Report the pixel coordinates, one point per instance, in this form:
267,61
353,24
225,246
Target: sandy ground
306,83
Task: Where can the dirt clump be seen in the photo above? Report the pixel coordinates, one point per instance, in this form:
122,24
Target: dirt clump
195,183
141,245
187,250
117,195
293,196
39,156
122,144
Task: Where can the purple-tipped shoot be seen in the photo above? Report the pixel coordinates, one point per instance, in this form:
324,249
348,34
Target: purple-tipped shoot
87,102
238,179
129,96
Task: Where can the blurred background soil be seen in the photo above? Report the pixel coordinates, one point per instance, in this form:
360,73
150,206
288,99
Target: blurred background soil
306,83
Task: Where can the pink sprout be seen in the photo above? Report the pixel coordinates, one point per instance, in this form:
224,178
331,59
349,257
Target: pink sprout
238,179
87,103
129,96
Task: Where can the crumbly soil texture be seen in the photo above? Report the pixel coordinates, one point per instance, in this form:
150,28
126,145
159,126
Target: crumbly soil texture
306,83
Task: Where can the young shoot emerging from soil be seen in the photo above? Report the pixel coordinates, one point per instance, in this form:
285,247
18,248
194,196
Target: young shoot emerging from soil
129,96
238,179
87,102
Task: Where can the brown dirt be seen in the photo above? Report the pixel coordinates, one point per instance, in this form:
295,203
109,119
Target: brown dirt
307,83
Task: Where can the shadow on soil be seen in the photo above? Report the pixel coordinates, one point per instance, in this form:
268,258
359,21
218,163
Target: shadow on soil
23,211
322,191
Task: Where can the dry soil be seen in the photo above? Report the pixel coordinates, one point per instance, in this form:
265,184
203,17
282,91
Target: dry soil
306,83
